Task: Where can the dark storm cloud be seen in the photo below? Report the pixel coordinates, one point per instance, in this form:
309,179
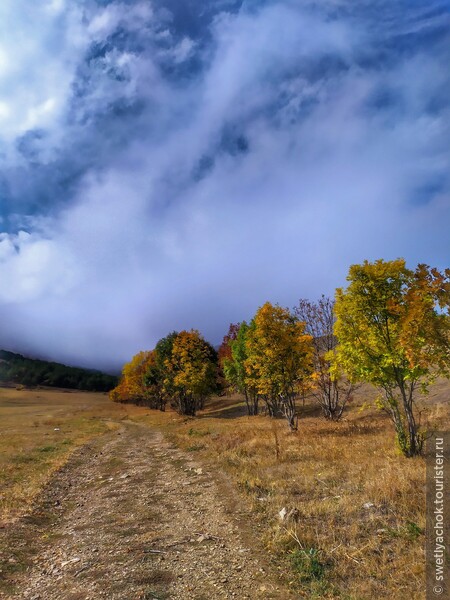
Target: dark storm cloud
172,165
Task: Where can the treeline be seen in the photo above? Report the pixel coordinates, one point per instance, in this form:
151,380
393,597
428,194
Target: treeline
15,368
181,370
390,327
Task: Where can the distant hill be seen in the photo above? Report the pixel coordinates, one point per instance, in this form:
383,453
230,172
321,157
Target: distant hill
15,368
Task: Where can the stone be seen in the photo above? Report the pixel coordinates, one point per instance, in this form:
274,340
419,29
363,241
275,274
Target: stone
282,514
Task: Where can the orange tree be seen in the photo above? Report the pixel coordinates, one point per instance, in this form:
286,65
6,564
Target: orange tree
279,359
132,387
393,332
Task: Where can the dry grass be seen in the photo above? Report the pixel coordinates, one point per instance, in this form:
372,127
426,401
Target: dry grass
359,529
39,429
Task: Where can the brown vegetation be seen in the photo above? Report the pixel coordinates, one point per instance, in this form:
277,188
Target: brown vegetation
354,515
357,506
39,429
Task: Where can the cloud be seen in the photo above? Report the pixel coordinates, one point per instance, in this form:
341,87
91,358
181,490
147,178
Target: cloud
184,174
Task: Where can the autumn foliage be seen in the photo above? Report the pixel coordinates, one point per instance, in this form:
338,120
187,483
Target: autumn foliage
390,327
192,372
393,331
131,386
271,359
181,370
331,389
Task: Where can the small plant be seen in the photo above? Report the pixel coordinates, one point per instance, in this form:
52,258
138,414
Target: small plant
47,449
254,486
412,530
307,565
195,447
198,433
24,458
152,595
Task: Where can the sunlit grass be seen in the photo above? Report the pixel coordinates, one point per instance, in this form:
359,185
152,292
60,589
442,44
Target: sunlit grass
39,429
359,506
358,531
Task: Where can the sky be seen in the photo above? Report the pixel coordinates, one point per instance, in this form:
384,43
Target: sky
173,164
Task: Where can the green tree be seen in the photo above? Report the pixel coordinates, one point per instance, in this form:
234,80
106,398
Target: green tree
224,354
159,378
393,331
235,370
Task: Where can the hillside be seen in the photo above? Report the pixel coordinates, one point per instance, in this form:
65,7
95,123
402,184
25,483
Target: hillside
15,368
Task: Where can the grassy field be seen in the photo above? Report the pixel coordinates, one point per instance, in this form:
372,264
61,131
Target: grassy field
357,505
38,430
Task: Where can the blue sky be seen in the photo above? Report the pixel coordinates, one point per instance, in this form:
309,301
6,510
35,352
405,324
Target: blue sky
175,164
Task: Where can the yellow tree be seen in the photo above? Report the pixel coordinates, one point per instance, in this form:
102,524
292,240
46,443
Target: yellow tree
191,370
279,359
132,386
393,332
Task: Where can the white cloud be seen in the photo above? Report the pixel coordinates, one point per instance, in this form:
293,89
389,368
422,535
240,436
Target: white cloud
42,48
133,17
327,179
33,268
37,70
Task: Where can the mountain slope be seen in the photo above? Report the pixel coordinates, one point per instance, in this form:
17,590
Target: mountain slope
16,368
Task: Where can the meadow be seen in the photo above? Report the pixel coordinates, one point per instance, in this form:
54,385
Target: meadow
354,525
355,507
39,429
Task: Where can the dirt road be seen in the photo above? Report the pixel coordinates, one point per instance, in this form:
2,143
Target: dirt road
132,518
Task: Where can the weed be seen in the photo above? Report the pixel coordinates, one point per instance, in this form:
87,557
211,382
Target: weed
47,449
198,433
155,577
410,531
24,459
307,565
195,447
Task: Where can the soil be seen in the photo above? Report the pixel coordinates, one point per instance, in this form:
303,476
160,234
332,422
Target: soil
132,517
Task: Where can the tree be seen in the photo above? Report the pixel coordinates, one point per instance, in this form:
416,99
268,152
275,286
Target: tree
159,378
192,371
132,387
235,370
224,355
153,380
393,331
331,390
279,359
